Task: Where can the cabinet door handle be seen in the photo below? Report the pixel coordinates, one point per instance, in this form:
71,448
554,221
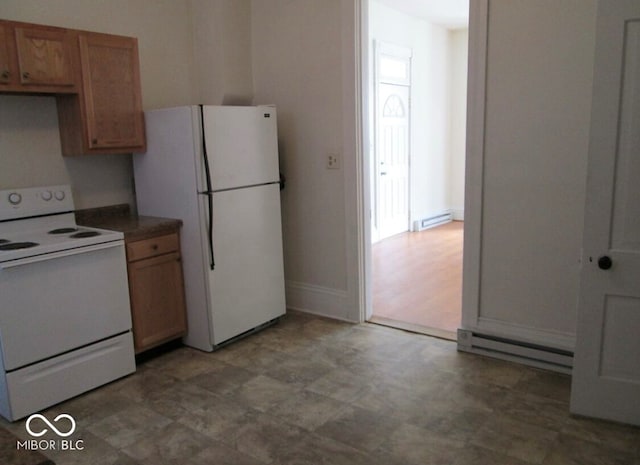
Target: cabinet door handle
6,74
154,246
26,75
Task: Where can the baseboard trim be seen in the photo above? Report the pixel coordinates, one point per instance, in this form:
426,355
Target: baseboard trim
318,300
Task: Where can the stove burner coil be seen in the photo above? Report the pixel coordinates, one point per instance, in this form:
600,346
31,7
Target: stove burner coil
3,241
82,234
17,245
63,230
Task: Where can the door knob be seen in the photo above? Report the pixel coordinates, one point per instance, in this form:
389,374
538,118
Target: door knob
605,262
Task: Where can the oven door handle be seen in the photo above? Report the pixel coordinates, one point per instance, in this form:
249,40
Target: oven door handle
60,254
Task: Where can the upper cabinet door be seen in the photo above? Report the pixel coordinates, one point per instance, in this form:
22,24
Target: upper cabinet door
45,56
111,86
6,66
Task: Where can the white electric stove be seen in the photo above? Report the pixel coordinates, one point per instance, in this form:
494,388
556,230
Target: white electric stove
65,322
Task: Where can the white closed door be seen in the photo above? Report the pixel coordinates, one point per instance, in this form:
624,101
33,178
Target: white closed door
393,159
606,374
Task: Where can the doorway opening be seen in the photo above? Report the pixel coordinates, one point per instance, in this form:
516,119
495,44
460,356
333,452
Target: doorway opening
417,125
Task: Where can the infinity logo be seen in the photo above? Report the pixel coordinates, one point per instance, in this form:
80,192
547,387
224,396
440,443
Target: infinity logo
48,423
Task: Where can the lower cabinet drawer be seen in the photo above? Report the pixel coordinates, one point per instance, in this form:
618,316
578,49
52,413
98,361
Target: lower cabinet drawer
139,250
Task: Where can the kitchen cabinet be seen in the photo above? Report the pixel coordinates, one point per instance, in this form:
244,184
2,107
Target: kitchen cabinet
95,78
6,67
156,290
37,59
106,116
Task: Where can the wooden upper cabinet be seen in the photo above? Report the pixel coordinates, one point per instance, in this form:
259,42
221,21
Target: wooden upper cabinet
111,91
37,59
106,116
45,56
7,67
95,78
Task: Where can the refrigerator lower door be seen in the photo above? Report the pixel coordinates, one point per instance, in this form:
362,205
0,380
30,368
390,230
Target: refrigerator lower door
247,284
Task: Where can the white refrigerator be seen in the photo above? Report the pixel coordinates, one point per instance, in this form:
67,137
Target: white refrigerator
216,169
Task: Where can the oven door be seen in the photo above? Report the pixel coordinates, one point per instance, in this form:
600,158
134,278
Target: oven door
54,303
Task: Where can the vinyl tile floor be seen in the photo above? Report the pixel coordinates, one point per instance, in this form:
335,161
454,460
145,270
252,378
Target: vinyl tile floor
316,391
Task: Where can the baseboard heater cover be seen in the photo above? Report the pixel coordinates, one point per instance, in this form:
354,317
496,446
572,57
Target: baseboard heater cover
539,356
432,221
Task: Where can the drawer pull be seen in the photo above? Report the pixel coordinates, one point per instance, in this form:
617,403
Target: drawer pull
154,246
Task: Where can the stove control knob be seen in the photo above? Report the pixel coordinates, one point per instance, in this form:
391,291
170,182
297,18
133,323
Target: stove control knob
46,195
60,195
15,198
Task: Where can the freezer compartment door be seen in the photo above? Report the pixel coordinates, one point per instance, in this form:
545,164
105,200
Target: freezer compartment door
247,284
241,146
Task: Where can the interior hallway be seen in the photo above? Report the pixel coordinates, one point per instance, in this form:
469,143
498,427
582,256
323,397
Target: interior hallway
417,280
312,391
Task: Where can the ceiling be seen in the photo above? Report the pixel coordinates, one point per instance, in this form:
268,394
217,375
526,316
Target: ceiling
452,14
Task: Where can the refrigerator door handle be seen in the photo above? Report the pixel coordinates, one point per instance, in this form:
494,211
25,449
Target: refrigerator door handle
205,155
212,260
207,172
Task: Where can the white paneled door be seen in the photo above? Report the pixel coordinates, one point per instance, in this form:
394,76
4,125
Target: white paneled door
606,376
392,140
393,159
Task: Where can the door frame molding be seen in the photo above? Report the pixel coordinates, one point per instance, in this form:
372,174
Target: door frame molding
474,160
476,100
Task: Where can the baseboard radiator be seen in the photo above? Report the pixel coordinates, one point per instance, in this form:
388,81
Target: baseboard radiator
516,351
432,221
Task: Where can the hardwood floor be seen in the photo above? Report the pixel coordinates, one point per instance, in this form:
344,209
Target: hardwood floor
417,280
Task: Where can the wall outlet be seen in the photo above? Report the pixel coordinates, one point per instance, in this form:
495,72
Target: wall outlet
333,161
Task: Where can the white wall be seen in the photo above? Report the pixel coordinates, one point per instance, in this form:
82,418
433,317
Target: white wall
438,97
222,47
460,50
297,65
536,134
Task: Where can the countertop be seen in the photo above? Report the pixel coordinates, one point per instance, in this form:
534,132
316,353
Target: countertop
120,218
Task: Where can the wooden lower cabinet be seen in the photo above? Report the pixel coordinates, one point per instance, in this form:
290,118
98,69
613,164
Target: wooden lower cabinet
156,289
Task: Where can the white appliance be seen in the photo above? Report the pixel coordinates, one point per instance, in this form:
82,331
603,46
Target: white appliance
65,323
216,168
